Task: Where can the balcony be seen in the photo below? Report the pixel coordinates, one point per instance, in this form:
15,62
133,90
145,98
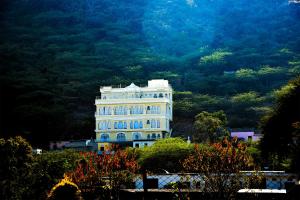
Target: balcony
126,140
132,100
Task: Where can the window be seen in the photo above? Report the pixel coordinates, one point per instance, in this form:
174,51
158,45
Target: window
161,95
116,125
153,123
120,125
158,136
125,125
250,138
136,136
145,144
141,110
158,124
148,136
136,124
155,96
141,124
101,148
131,124
153,136
121,137
148,121
104,137
137,145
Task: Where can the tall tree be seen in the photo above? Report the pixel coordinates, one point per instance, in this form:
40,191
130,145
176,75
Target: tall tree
281,127
15,168
209,126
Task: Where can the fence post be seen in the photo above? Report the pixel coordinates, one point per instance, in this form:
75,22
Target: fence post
145,183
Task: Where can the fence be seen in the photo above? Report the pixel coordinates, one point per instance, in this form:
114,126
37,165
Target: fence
195,186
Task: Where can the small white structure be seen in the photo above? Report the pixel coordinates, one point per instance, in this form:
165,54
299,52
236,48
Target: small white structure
37,151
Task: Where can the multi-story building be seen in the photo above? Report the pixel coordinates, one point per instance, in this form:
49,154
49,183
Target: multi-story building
133,116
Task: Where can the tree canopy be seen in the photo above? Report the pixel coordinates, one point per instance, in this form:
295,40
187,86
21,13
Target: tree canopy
281,126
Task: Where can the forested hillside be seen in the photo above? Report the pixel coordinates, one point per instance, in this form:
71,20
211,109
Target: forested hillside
217,54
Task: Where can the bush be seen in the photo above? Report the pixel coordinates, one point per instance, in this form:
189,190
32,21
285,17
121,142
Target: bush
65,189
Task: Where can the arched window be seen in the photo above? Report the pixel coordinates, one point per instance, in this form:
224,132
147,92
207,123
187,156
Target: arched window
116,125
155,96
136,136
153,136
125,125
121,137
136,124
161,95
148,136
158,136
104,137
148,121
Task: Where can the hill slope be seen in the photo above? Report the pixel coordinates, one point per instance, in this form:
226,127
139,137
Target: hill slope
54,55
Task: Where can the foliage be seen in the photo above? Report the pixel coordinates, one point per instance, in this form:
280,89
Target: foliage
50,167
210,126
166,154
216,57
220,165
281,128
55,54
104,175
65,189
15,168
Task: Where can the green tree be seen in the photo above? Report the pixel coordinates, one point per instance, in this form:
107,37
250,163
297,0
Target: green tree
281,139
166,154
49,168
15,168
209,126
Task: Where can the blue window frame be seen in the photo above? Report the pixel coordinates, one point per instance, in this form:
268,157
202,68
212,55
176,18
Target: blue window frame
121,137
141,124
104,137
136,124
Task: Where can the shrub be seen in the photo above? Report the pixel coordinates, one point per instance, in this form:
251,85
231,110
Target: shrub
65,189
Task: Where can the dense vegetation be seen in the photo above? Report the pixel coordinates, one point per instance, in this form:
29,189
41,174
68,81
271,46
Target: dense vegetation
218,55
25,175
281,129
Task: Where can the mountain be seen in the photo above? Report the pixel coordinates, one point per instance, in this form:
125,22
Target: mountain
217,54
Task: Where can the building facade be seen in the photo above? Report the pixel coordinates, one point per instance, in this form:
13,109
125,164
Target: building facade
133,116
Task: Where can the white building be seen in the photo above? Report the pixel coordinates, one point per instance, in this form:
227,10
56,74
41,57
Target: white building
133,116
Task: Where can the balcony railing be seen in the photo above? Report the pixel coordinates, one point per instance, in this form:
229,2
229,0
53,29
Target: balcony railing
124,140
